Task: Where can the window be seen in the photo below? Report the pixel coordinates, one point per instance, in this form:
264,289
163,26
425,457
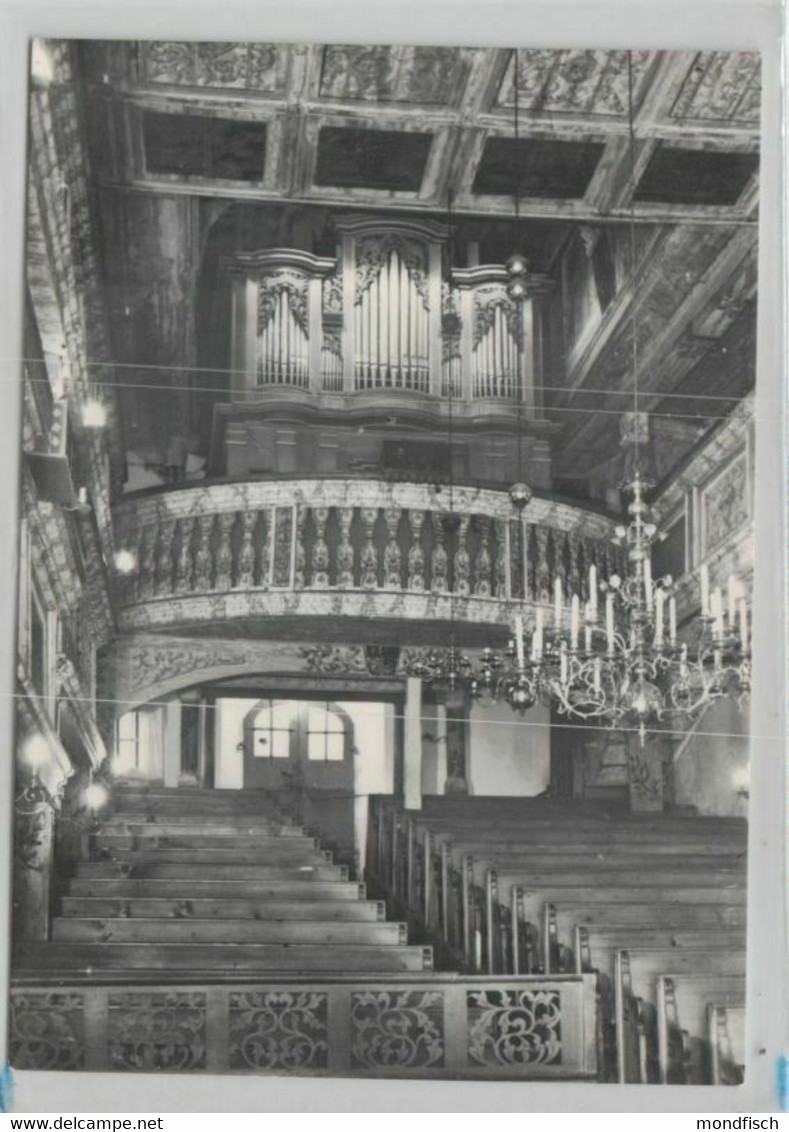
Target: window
271,731
325,734
128,742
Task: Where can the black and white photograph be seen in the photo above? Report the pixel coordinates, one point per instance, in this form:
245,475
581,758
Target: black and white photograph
386,561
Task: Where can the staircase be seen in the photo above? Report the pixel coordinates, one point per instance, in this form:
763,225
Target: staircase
190,883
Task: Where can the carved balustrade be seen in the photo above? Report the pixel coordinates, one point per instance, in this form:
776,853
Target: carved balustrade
385,314
430,1027
390,549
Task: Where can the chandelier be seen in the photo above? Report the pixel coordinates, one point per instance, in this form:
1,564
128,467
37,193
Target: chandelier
622,662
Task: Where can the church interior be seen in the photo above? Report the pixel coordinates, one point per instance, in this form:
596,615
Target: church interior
386,561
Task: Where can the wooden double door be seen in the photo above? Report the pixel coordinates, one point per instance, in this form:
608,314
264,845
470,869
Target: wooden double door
299,744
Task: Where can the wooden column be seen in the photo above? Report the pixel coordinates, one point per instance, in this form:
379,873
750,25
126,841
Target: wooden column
349,310
457,713
527,356
645,772
251,334
315,316
412,741
238,355
434,317
172,743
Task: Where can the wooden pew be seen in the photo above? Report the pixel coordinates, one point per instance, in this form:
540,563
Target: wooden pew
726,1036
684,1056
638,1008
594,946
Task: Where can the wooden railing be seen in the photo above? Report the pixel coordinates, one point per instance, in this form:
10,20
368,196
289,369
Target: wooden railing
429,1027
391,548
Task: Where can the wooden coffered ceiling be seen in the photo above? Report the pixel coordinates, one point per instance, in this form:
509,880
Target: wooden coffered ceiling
402,126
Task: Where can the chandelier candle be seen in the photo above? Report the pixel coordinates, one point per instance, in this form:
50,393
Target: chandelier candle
609,623
732,589
557,603
519,639
575,619
593,591
672,620
660,598
743,625
705,591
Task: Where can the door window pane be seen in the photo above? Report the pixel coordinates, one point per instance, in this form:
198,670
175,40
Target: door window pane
325,735
271,732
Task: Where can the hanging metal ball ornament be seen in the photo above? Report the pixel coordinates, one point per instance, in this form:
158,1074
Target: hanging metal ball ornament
517,266
520,494
517,289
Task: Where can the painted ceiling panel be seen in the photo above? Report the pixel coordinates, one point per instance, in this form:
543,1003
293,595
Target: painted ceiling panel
723,86
427,75
261,67
566,82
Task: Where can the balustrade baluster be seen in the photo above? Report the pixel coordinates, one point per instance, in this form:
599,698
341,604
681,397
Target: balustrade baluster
392,558
320,551
369,561
499,527
301,548
224,554
345,550
517,558
416,554
439,560
202,576
164,558
183,572
246,554
462,563
148,560
482,563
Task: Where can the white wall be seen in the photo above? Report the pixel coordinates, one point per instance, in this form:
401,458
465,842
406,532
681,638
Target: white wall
713,764
509,753
228,734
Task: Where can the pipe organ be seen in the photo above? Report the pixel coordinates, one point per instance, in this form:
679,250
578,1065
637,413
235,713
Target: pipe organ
391,317
282,339
384,315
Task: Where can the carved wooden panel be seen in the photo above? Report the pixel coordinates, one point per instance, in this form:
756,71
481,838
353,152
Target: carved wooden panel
509,1028
47,1030
397,1030
278,1030
157,1030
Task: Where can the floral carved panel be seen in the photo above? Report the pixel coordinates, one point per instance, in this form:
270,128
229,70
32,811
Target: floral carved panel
279,1030
47,1031
724,505
509,1029
397,1030
157,1030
